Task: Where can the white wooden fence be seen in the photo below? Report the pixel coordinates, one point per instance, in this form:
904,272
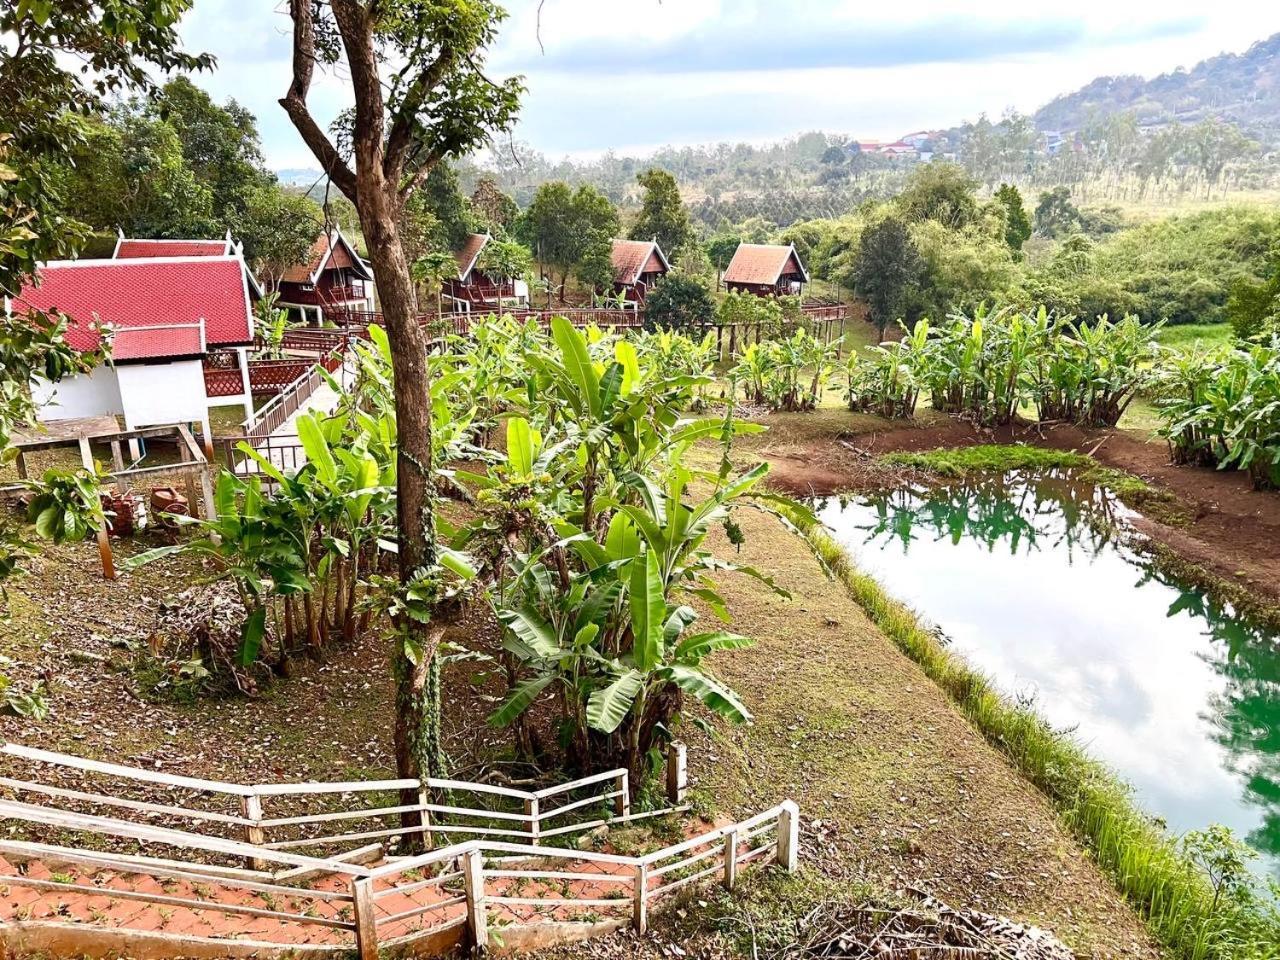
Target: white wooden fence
432,901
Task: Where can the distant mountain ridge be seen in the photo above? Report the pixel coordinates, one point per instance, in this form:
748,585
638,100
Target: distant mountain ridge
1243,89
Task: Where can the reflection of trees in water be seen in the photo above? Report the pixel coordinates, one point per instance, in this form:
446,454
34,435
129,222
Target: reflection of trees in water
1020,510
1029,511
1245,714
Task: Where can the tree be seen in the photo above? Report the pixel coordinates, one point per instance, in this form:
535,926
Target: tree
444,201
1056,215
505,260
1254,307
595,263
1017,230
662,216
562,225
416,72
676,302
939,191
277,229
721,248
495,210
888,268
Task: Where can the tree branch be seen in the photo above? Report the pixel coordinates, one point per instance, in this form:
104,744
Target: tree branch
295,101
407,112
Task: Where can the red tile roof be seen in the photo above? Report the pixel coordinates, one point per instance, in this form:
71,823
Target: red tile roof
470,253
631,256
127,248
761,264
165,302
319,256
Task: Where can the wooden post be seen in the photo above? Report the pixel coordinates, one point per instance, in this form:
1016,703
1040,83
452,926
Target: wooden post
117,455
104,539
622,802
531,811
677,773
730,859
424,817
788,836
251,809
473,884
366,928
640,899
207,505
22,465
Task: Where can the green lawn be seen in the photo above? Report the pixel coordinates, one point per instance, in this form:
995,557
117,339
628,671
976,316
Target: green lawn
1186,335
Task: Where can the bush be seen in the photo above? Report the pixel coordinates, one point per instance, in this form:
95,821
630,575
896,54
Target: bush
678,302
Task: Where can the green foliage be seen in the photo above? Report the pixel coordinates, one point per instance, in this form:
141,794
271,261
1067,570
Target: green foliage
662,215
1220,406
66,505
990,365
678,302
788,374
1056,215
889,268
561,226
1017,229
277,229
595,263
1255,307
939,191
720,249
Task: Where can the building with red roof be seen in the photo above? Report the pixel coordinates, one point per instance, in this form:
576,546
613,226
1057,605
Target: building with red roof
131,248
473,288
766,270
333,277
637,266
163,317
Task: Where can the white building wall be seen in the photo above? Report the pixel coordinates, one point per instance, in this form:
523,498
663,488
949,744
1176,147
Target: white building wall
93,394
156,393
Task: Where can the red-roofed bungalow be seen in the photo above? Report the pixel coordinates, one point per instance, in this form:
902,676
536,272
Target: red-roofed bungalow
164,315
473,288
637,266
766,270
334,277
132,248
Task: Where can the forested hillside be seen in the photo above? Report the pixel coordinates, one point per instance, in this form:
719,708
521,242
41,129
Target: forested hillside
1243,89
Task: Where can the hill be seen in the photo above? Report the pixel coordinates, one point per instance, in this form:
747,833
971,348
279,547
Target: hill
1243,89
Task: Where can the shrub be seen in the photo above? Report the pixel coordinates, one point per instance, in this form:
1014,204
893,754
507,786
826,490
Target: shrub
678,302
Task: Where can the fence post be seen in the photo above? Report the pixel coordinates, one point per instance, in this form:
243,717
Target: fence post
788,836
730,859
531,811
424,816
622,802
640,899
473,884
677,773
366,927
251,809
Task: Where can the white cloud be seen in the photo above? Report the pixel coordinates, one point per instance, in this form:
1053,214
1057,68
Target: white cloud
641,74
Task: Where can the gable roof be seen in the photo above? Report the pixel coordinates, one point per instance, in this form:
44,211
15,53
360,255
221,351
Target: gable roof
159,307
761,263
133,247
631,256
470,253
318,257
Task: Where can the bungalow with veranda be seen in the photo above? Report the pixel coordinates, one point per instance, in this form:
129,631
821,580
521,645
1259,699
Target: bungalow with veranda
333,279
165,317
767,270
473,288
637,266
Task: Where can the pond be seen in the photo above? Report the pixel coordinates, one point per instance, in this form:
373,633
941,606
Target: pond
1026,576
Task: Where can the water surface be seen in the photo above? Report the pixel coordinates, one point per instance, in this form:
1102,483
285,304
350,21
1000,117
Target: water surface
1025,576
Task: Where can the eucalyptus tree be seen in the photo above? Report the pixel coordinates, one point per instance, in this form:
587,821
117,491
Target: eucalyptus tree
416,71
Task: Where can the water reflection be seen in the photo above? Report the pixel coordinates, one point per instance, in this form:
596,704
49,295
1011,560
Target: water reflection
1025,574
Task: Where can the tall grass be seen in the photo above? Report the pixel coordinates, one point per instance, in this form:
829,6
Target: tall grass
1169,891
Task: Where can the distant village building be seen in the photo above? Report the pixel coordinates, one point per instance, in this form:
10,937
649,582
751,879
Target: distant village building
166,317
333,277
473,289
637,266
766,270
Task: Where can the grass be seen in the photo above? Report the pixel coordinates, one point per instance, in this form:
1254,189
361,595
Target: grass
955,462
1171,894
1185,335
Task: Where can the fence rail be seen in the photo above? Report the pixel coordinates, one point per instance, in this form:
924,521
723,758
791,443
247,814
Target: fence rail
440,898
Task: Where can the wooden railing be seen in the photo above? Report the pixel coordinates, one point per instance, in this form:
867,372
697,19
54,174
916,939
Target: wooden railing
455,891
275,376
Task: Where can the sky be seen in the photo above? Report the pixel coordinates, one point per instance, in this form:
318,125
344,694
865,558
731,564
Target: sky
633,76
